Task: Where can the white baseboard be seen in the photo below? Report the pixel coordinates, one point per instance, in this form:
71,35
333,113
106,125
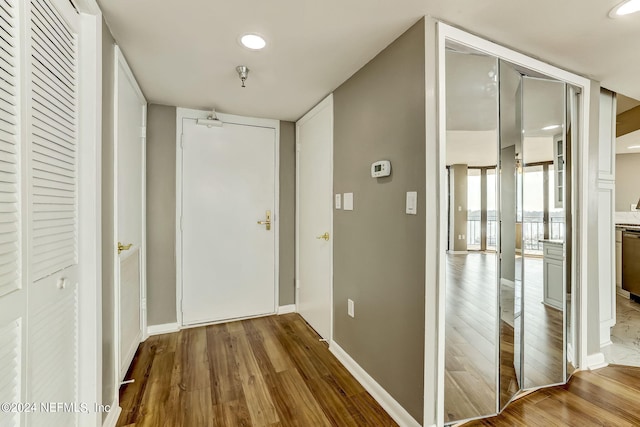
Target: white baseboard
388,403
458,252
605,333
623,293
165,328
508,283
112,417
596,361
285,309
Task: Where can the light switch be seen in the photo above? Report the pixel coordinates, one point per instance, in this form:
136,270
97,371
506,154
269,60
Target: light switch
347,198
338,201
412,203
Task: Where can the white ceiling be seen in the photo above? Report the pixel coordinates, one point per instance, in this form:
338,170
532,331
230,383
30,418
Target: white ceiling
629,140
185,52
625,103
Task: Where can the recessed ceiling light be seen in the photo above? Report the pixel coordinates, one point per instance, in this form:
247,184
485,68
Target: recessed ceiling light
633,147
253,41
625,8
551,127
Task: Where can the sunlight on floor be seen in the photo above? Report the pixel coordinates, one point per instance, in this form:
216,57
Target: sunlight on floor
625,335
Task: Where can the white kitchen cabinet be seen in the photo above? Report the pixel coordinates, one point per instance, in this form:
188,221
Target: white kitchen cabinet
553,270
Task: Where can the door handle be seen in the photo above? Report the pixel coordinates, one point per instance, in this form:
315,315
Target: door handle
122,247
324,237
266,222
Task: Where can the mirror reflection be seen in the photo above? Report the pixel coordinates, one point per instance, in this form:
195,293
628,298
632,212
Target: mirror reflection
508,278
471,292
543,230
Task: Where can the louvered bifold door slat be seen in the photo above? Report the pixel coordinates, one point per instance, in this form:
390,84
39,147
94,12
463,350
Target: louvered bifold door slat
54,129
10,369
9,150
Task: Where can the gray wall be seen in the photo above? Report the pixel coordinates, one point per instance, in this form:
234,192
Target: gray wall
161,206
161,214
627,180
459,206
379,251
108,345
287,212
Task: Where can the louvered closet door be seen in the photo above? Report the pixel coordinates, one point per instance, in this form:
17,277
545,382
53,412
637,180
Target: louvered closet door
53,228
13,295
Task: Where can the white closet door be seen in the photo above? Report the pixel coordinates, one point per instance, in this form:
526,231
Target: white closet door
53,200
13,296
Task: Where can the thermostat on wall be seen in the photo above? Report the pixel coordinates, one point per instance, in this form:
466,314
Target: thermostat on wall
380,168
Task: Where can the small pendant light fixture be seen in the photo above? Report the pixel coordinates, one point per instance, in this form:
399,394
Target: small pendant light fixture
243,73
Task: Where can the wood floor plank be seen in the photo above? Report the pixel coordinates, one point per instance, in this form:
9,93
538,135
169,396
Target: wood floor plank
271,371
606,397
303,407
131,394
192,365
256,392
225,382
335,403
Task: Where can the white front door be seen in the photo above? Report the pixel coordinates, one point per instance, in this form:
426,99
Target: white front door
129,206
314,193
228,185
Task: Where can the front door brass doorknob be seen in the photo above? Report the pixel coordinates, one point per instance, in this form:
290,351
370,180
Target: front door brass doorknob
324,237
266,222
122,247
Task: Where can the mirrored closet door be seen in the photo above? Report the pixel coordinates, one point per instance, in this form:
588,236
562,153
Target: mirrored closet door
509,202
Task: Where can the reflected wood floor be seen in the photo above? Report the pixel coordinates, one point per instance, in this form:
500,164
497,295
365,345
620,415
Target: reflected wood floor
606,397
470,336
269,371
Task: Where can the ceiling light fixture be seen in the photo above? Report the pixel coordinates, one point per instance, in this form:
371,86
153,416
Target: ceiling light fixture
253,41
625,8
551,127
243,73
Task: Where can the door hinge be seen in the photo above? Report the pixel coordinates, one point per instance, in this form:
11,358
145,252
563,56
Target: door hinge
143,132
297,284
297,148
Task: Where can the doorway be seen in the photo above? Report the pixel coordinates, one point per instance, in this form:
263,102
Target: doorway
228,219
314,189
129,213
514,134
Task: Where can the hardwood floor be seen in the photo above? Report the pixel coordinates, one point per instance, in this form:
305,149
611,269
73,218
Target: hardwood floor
470,337
606,397
270,371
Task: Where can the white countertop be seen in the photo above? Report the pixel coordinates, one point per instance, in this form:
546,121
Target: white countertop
552,242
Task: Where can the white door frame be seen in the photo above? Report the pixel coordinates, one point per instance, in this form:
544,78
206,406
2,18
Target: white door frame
120,61
89,208
327,102
183,114
436,228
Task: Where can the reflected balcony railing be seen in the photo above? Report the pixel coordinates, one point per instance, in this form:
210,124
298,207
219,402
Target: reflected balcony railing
532,232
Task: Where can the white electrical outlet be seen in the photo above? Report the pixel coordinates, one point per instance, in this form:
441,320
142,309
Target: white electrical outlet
350,308
338,201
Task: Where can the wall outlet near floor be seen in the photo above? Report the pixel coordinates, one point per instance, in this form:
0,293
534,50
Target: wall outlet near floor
350,308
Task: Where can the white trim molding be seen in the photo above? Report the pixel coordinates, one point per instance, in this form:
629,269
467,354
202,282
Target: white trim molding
286,309
436,36
596,361
388,403
165,328
325,103
114,414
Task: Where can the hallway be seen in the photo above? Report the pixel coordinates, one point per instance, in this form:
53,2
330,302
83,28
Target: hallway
269,371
